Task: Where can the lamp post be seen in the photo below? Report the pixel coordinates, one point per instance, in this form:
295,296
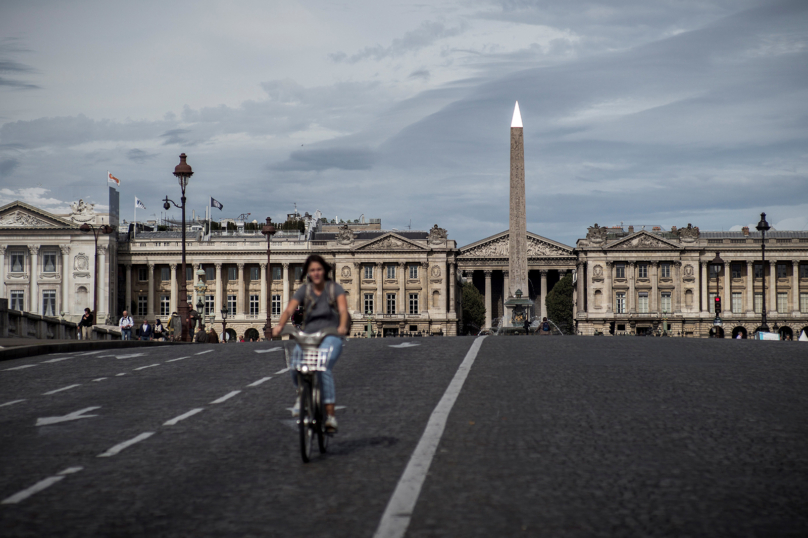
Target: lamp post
183,173
105,229
763,227
224,312
269,230
201,287
718,262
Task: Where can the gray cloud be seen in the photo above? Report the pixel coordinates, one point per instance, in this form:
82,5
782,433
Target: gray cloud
13,68
423,36
174,136
7,166
322,159
139,156
420,73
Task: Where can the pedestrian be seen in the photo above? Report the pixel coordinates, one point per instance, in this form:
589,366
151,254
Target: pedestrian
545,327
86,326
146,331
213,337
126,324
201,337
193,319
527,326
174,326
159,330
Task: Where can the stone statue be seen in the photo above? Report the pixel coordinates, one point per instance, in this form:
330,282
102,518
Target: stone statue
345,236
597,234
689,234
437,236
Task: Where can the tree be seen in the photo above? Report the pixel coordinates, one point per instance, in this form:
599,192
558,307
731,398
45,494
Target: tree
473,307
559,303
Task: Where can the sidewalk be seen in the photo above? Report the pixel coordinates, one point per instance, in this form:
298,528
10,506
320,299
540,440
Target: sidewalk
18,348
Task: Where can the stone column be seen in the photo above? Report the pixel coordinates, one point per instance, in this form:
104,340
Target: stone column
34,301
358,286
3,271
150,299
402,283
543,273
128,305
772,303
65,306
103,273
444,284
704,295
262,300
174,306
795,287
487,299
193,285
452,284
750,287
677,287
378,308
608,286
240,308
217,298
727,287
285,299
631,300
655,301
425,306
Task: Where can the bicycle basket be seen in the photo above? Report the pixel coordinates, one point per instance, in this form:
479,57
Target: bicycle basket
312,359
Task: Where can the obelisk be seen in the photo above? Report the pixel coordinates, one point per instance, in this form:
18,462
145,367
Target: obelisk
517,232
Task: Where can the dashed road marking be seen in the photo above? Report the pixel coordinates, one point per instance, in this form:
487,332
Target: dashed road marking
119,375
225,397
39,486
203,352
405,344
267,350
11,403
75,415
100,379
282,371
133,355
20,367
179,359
92,352
57,360
256,383
149,366
61,389
126,444
183,416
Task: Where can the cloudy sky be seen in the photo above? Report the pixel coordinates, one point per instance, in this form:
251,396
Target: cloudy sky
635,111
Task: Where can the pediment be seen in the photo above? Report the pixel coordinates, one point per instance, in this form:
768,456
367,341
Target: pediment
498,246
21,215
390,241
643,240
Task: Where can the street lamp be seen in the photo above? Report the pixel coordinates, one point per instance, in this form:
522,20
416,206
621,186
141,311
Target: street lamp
224,323
269,230
718,262
763,227
183,173
105,229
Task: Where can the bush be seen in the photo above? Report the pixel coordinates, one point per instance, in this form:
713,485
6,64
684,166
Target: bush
559,303
473,308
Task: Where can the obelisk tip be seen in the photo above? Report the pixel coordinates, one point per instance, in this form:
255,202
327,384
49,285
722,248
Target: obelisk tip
517,117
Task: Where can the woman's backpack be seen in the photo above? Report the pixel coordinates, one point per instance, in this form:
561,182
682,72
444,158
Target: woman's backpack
545,326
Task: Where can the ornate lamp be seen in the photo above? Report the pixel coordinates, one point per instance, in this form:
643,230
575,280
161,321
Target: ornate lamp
763,227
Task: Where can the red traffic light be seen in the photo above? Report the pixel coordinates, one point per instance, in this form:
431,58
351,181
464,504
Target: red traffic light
718,300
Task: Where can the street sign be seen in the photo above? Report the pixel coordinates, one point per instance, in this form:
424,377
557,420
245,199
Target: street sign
717,322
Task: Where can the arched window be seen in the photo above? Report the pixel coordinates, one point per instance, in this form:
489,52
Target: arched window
435,299
689,298
598,298
82,299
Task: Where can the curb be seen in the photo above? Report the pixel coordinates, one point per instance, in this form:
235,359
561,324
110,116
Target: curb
20,352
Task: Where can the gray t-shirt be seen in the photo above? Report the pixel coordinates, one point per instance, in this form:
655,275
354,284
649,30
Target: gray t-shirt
320,315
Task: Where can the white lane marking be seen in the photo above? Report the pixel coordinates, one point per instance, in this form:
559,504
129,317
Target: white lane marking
119,375
397,515
20,367
100,379
128,356
56,360
203,352
11,403
405,344
338,407
282,371
39,486
93,352
179,359
225,397
183,416
61,389
117,448
256,383
267,350
75,415
149,366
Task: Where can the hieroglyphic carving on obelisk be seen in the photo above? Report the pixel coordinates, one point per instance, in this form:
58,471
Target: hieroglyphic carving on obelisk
517,232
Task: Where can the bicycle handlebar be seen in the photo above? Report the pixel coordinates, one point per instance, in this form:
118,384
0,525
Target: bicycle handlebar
309,339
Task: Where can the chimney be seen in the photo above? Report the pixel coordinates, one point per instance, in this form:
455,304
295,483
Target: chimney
631,229
746,231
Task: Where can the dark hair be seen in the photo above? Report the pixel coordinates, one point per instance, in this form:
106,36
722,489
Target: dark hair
316,258
86,309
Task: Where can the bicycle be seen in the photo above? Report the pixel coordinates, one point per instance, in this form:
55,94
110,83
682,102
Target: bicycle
312,361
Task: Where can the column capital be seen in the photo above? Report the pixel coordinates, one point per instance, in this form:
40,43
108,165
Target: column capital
654,263
543,272
64,248
379,264
173,266
33,249
218,266
404,264
506,274
196,266
750,262
3,249
795,263
704,264
772,262
240,266
286,265
357,264
631,263
151,266
102,249
487,273
263,266
425,264
609,263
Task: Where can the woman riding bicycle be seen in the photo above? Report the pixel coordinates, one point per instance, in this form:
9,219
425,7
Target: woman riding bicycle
324,307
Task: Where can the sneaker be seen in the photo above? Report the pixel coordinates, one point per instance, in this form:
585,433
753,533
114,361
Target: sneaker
296,408
331,424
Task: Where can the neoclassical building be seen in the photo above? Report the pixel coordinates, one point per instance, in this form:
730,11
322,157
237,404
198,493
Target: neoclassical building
635,279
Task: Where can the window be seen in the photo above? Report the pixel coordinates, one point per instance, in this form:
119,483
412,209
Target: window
715,269
232,273
642,302
165,305
49,262
620,270
17,300
391,271
413,271
210,273
664,270
413,302
736,270
277,273
598,298
49,303
804,302
299,273
18,262
210,305
782,302
276,305
255,273
165,274
142,305
368,272
231,304
804,271
368,303
143,274
737,302
189,273
254,305
758,270
665,304
620,303
758,303
391,303
711,302
781,272
642,270
689,298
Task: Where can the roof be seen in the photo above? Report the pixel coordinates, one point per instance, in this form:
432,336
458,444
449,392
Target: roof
370,234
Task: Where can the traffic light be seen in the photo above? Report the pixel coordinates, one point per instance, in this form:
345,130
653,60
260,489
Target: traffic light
717,305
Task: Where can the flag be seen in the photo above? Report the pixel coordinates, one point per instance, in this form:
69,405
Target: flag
112,179
215,203
139,204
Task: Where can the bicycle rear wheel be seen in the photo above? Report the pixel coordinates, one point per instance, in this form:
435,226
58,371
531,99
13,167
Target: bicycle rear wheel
306,419
322,436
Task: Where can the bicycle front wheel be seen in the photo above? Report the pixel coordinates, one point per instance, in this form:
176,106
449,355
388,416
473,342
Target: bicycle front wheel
322,437
306,420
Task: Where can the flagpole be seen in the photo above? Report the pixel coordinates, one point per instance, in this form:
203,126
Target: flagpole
135,219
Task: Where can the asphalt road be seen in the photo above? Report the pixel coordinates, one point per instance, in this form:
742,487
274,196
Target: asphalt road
560,436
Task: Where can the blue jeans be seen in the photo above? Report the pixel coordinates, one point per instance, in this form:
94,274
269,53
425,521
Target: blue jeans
126,334
326,378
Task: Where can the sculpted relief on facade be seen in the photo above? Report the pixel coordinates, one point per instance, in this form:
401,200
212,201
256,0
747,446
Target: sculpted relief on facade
22,219
82,212
390,243
500,248
642,241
